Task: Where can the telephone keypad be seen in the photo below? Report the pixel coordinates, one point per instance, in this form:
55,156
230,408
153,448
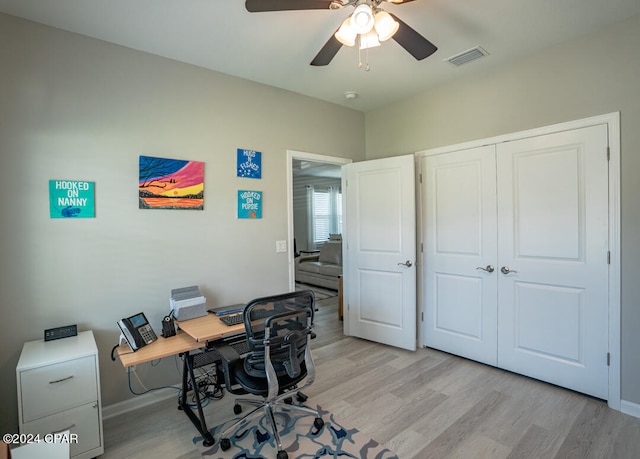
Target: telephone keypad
147,333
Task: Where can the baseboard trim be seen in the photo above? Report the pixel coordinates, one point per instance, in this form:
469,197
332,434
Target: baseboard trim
140,401
630,408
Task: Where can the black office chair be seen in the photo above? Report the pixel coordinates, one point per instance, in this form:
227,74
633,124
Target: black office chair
279,359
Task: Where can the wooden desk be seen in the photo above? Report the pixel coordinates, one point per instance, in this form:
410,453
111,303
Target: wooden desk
209,328
193,334
5,451
162,347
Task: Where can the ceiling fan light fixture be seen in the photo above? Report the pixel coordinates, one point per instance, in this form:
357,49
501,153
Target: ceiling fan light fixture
362,19
345,34
385,25
369,40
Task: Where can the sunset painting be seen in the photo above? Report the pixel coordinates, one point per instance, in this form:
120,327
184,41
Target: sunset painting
170,184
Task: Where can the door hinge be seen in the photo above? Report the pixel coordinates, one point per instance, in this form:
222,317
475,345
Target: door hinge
608,154
422,316
608,359
420,177
421,247
609,257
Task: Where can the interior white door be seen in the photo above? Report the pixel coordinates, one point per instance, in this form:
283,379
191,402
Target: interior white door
459,257
553,247
380,275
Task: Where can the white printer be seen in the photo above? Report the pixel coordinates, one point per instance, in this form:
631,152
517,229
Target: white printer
187,303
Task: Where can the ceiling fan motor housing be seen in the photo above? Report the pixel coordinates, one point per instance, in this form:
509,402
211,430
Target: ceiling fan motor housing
367,16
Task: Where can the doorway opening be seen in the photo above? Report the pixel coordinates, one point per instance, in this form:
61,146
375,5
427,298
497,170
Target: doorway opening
314,195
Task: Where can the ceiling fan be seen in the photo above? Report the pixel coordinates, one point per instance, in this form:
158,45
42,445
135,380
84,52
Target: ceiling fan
368,23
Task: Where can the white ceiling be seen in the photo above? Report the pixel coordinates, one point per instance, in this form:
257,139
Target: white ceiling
275,48
303,168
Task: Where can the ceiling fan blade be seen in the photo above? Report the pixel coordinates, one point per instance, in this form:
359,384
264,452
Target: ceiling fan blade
259,6
328,52
415,44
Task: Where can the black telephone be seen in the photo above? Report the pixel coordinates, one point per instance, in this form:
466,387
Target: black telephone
137,331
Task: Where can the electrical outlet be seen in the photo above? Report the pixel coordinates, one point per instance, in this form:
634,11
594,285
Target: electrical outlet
281,246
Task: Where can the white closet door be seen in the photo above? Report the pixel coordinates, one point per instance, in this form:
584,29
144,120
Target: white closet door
553,236
460,295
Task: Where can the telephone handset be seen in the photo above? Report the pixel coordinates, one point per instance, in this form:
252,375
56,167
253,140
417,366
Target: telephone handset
137,331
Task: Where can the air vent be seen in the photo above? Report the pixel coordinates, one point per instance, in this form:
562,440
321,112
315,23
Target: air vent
467,56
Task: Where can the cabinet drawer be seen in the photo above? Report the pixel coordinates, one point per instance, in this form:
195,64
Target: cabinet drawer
52,388
83,421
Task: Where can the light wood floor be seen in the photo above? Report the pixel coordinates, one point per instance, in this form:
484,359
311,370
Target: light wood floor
423,404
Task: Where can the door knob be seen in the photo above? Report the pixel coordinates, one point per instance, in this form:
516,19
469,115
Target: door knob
407,263
505,270
487,268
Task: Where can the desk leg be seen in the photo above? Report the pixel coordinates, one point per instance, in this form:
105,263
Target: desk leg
340,299
198,421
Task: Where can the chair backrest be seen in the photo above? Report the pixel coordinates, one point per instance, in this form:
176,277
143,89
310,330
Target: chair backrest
289,319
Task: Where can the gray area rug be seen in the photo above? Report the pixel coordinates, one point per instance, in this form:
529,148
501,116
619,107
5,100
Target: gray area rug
299,438
319,292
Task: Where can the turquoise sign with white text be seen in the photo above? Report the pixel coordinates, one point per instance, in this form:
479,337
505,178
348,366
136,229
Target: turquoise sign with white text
71,199
249,204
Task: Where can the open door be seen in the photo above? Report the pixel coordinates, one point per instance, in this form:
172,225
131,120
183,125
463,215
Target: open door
317,161
380,251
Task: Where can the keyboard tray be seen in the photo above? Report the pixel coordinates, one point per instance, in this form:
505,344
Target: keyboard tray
232,319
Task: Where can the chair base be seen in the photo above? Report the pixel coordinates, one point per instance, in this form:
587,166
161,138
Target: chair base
268,408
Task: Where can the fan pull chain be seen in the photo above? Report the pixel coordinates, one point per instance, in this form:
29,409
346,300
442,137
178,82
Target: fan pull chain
367,68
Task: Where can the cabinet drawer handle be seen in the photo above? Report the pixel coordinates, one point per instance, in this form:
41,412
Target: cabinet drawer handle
61,380
62,430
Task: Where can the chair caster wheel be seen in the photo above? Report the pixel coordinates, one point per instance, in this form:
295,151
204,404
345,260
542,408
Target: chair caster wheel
301,397
208,441
288,400
237,409
225,444
318,423
282,455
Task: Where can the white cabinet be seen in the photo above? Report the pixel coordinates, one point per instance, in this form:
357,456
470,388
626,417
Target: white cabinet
59,389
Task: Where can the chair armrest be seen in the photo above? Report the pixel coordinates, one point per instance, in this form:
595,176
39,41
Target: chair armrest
228,358
303,258
228,354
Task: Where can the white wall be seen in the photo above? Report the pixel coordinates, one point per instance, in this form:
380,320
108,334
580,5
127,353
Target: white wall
76,108
593,75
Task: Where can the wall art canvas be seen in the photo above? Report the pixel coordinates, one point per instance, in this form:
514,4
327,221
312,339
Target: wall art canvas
249,164
71,199
170,184
249,204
